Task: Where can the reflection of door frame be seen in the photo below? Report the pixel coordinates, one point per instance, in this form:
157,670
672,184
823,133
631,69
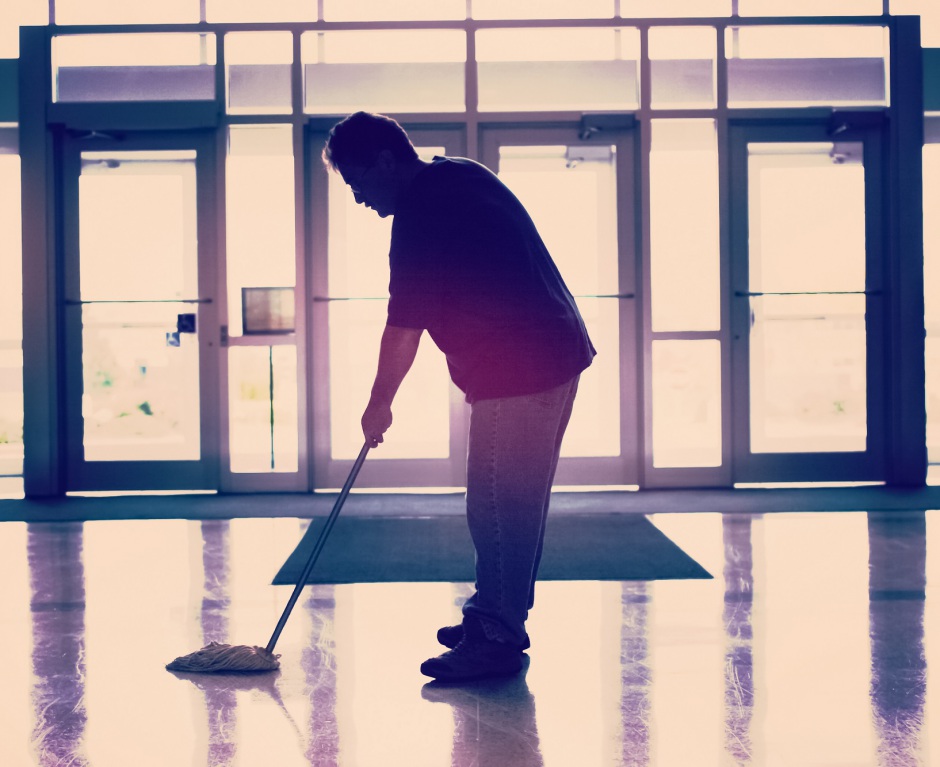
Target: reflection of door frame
325,471
141,475
748,467
622,469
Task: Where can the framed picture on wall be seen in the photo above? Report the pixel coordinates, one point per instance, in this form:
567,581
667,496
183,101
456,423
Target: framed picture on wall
267,310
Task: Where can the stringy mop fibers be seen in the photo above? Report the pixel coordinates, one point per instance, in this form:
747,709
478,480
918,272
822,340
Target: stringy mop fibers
217,657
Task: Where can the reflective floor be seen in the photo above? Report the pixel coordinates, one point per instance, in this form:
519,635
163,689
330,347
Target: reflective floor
811,646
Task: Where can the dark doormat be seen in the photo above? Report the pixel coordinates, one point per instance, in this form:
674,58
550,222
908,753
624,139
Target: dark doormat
578,547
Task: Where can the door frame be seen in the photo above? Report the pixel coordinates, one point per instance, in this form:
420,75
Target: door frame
869,465
81,475
324,470
623,469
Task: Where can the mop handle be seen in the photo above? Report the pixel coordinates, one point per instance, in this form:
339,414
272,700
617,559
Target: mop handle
318,546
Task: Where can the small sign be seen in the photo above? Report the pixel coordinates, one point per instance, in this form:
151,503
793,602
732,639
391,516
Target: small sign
267,310
186,323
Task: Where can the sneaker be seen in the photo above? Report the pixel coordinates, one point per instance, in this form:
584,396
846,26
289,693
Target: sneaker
450,636
474,657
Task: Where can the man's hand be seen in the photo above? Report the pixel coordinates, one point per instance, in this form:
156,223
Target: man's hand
375,422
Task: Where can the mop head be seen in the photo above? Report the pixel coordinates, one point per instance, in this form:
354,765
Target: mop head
216,658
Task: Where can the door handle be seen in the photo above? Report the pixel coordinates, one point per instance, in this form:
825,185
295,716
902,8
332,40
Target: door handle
752,294
74,302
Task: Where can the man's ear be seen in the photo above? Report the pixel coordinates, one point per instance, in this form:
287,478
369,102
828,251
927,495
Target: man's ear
386,160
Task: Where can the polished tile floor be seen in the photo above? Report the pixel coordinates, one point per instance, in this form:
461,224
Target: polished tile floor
811,646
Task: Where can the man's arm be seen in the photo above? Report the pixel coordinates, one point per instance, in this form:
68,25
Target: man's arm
396,354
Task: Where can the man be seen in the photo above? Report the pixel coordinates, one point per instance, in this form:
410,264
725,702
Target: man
468,266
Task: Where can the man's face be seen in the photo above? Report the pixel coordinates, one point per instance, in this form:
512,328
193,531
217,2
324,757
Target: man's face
372,186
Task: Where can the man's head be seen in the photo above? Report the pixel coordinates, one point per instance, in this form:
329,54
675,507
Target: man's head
374,156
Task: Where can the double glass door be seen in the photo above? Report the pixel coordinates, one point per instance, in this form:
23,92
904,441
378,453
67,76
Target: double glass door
579,193
138,312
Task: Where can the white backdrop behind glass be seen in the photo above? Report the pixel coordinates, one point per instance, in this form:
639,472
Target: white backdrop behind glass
11,321
13,15
929,12
932,297
807,347
358,275
571,194
400,10
138,254
125,11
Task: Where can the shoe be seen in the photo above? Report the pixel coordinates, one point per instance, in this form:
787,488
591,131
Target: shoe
474,657
450,636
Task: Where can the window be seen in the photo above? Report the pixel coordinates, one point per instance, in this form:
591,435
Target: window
563,68
257,72
807,65
133,67
684,259
400,10
384,71
682,67
11,319
543,9
126,11
929,12
810,7
931,293
269,10
13,15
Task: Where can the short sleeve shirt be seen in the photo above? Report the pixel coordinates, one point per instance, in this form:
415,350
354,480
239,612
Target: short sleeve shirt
468,265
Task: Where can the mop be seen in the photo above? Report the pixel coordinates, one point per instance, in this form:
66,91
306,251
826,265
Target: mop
217,657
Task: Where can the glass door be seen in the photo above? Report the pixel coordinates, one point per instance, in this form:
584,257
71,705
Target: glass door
426,445
807,317
138,312
580,193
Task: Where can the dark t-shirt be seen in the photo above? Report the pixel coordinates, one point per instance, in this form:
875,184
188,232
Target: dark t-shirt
468,265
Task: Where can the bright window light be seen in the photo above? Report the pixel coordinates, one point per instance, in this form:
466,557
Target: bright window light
806,42
126,11
384,46
400,10
269,10
810,7
543,9
674,8
117,50
13,15
929,12
563,44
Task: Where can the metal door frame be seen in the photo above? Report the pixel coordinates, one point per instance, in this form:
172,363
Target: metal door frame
623,469
325,471
869,465
139,475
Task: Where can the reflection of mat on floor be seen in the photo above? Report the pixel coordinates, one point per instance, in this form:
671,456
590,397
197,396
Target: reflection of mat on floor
604,547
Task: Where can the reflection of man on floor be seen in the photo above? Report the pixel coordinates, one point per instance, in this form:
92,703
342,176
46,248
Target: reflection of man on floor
494,721
468,266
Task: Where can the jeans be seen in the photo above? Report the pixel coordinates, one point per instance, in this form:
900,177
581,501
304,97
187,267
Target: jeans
514,447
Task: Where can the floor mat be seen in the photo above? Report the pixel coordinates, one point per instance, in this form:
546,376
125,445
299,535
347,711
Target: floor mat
605,547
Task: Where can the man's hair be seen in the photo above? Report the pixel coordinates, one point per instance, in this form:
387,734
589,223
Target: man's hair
358,140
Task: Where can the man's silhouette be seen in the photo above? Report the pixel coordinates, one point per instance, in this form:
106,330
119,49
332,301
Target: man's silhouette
468,266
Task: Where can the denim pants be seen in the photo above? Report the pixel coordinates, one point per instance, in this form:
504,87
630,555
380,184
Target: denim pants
514,447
